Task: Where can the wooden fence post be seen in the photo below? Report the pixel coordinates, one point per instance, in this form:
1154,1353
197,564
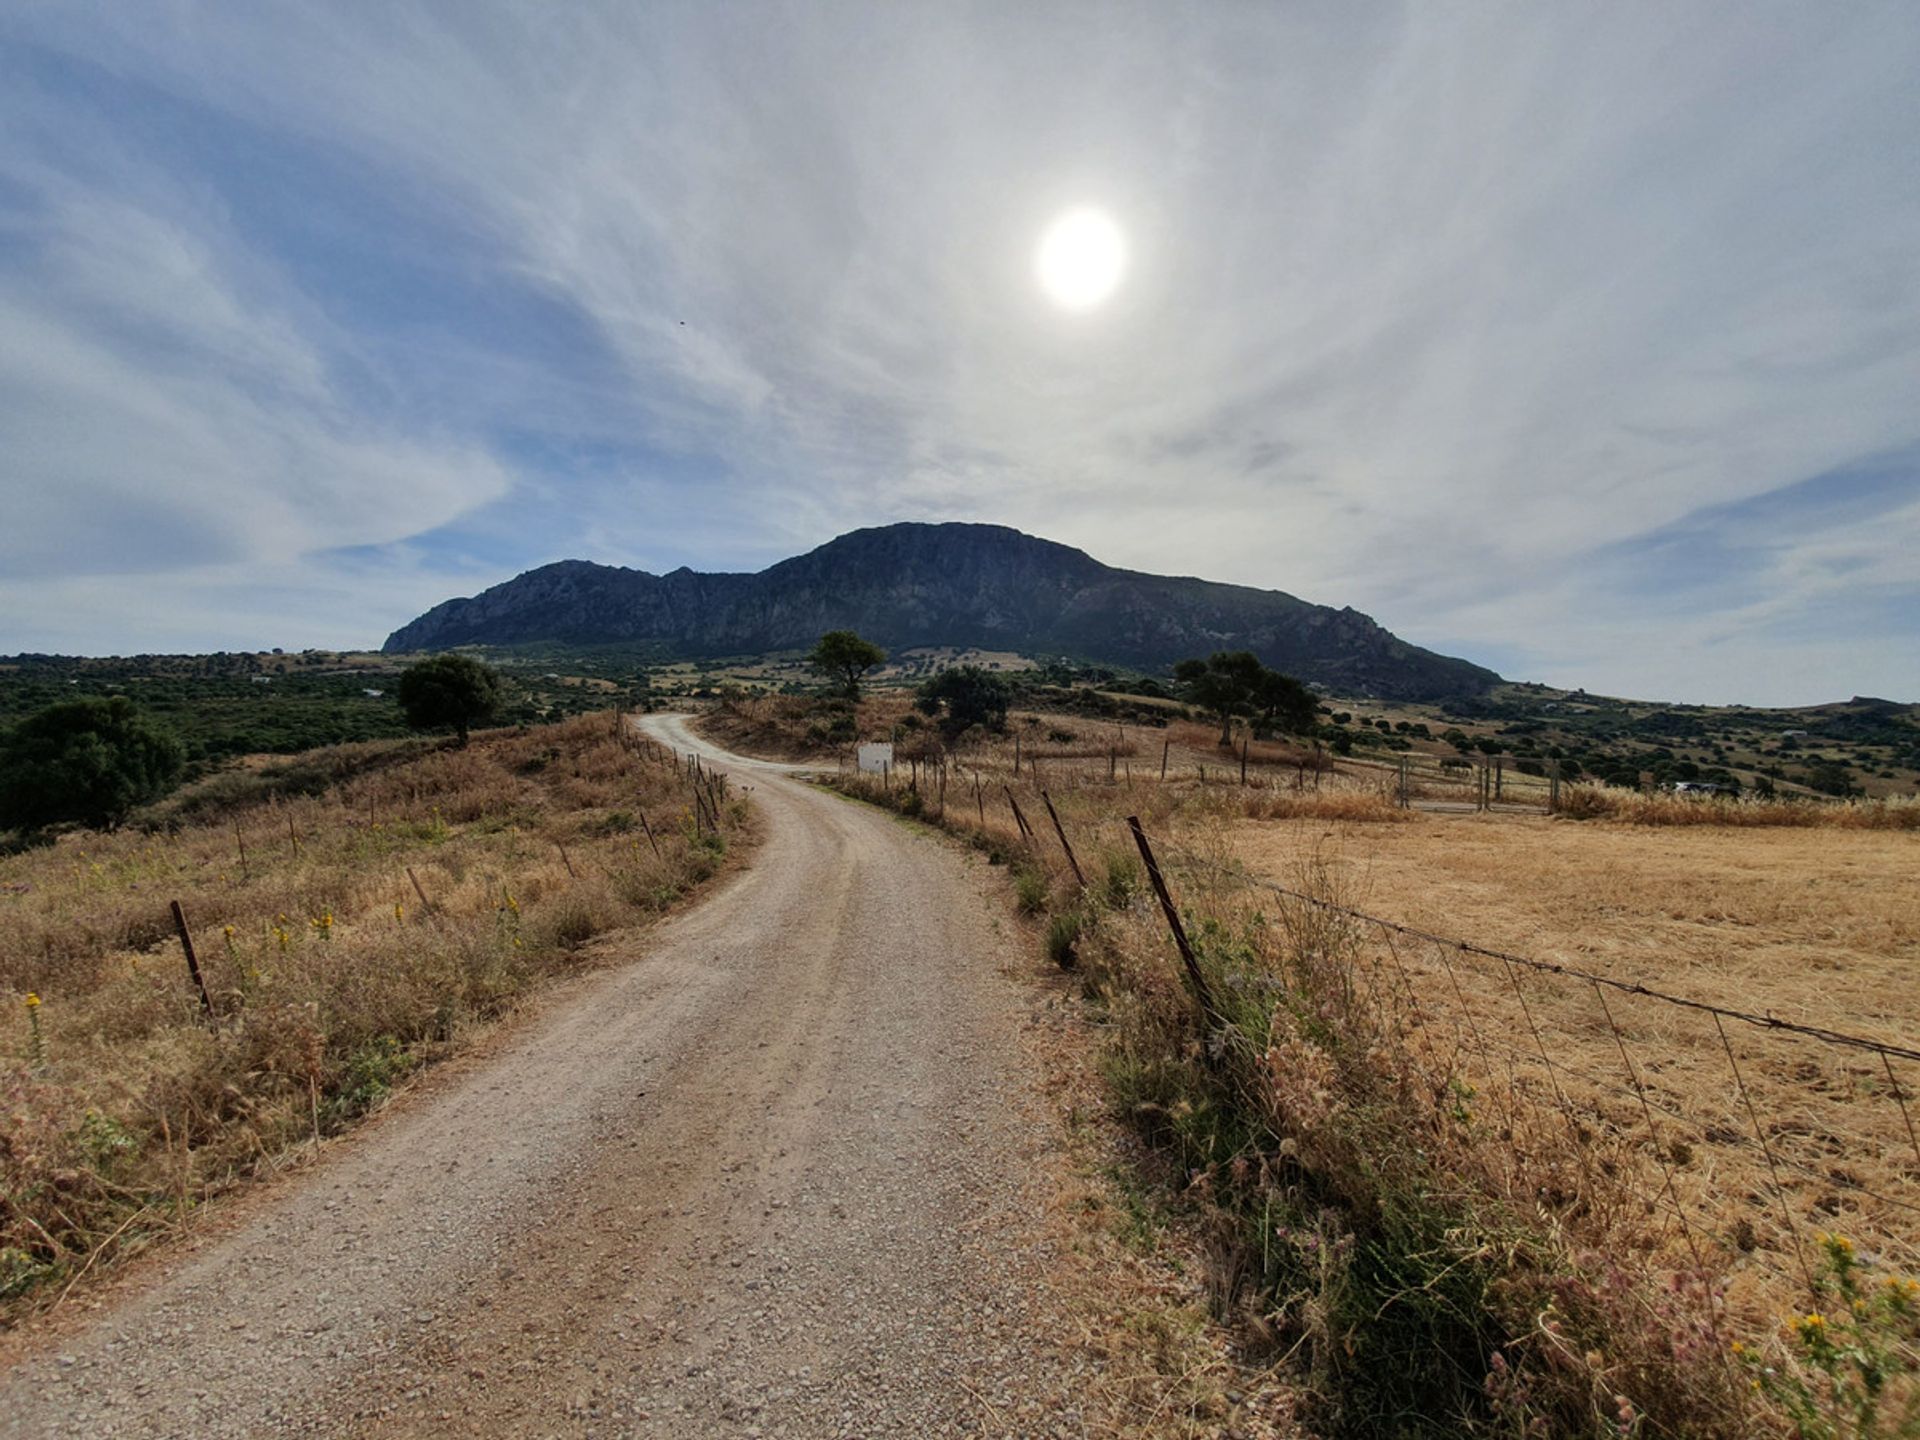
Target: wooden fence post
1061,831
421,891
193,961
649,829
1165,746
1194,976
1245,745
245,872
1026,832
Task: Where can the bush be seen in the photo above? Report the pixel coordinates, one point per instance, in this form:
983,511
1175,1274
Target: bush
1119,880
1063,934
86,761
1030,889
965,697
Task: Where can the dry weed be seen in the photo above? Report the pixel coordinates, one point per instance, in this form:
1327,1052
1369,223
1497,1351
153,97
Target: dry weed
329,977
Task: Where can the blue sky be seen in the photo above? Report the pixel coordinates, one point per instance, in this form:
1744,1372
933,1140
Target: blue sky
1583,341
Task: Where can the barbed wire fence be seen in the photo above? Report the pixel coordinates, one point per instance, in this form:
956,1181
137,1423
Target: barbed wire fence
1741,1128
1738,1128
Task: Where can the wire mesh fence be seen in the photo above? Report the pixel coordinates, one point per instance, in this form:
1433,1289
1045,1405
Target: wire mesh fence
1738,1130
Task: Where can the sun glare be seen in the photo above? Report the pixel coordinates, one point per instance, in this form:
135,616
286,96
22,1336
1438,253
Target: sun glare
1080,260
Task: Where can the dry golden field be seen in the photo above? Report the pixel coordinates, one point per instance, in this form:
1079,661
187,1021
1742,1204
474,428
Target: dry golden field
345,938
1752,1141
1696,1189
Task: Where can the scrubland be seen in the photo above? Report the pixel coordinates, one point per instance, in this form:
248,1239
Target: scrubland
1468,1196
346,937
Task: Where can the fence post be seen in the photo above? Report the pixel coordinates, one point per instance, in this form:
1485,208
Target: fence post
245,872
1026,831
193,961
1165,746
1244,745
421,891
1194,977
1061,831
649,829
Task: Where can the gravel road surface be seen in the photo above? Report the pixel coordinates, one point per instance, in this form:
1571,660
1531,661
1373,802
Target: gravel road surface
777,1174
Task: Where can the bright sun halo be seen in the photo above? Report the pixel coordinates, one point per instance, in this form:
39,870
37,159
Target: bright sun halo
1080,260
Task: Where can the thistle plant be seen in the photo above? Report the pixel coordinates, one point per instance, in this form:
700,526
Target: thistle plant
36,1041
1856,1370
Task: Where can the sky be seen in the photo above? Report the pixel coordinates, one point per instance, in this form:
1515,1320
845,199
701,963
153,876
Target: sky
1579,340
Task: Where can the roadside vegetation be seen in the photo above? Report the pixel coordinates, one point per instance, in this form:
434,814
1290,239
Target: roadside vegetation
1396,1207
356,914
1593,802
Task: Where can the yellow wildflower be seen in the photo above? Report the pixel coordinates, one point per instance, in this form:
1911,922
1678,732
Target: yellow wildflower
33,1001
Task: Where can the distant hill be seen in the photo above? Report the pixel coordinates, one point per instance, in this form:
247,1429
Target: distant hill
913,584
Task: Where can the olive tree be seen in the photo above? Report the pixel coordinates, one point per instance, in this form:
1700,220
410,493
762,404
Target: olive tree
1234,682
964,697
449,692
844,659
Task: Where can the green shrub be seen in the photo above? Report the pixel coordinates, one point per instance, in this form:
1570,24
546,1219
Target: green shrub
1120,879
1030,888
1063,934
90,761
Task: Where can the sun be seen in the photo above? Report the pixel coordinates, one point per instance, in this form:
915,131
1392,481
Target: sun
1080,260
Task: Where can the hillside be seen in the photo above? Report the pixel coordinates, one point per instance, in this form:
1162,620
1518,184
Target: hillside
913,584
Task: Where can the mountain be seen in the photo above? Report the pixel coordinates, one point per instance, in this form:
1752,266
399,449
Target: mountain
913,584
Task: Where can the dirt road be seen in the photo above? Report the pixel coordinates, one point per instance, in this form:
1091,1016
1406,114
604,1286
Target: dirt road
772,1176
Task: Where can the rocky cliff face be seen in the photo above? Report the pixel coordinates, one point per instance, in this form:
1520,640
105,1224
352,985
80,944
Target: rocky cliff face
906,585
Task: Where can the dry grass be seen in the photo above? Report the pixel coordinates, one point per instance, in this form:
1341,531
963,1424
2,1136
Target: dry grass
1354,1218
1674,1237
1816,927
123,1107
1593,802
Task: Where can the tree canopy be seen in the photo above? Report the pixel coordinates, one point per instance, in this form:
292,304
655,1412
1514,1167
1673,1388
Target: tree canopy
844,659
90,761
449,692
964,697
1234,682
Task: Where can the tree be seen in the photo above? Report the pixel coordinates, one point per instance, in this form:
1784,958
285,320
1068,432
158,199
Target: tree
844,658
1281,702
90,761
449,692
1234,682
964,697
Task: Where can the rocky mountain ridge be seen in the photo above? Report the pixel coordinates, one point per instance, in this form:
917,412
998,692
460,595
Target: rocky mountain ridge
944,584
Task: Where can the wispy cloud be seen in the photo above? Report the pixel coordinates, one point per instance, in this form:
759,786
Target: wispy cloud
1455,316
